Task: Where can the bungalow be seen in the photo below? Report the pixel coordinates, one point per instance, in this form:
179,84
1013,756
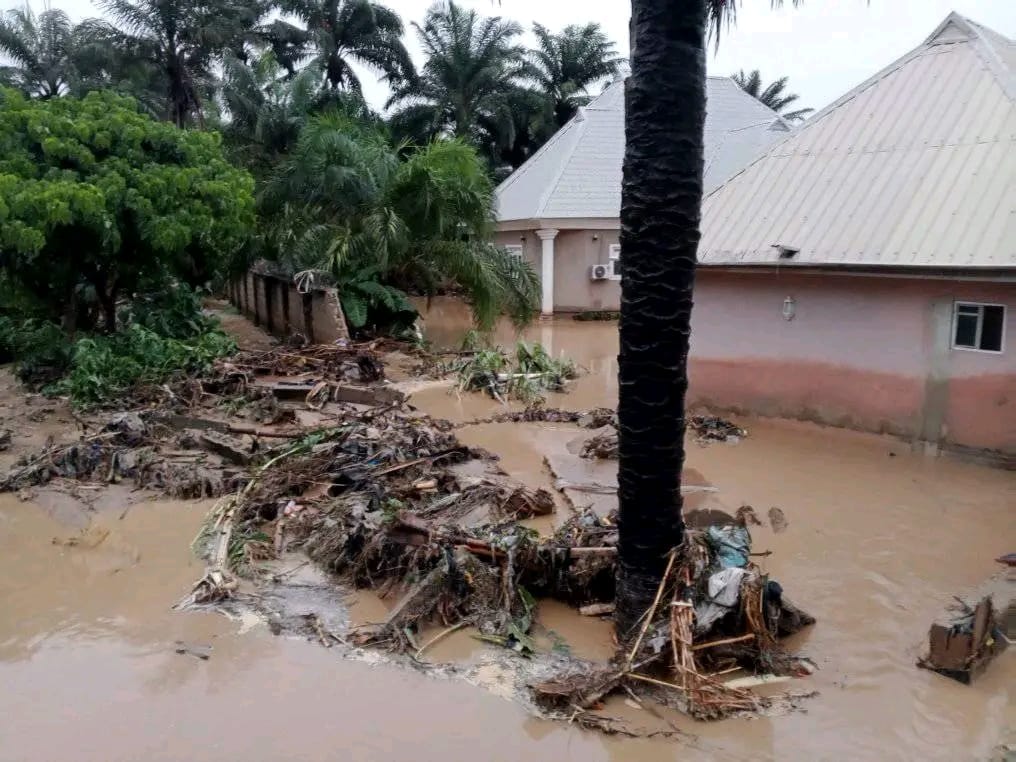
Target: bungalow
861,271
560,211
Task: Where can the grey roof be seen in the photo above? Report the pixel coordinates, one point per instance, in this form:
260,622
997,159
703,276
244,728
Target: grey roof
577,173
916,167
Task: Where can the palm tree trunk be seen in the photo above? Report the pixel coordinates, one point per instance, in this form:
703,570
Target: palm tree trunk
660,204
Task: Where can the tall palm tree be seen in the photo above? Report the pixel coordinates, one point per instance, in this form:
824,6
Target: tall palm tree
266,109
338,33
470,80
178,40
772,95
41,50
567,63
661,196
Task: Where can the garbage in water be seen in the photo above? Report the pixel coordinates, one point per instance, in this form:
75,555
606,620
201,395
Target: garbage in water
973,630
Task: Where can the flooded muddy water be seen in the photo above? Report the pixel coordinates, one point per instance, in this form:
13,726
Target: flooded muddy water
878,541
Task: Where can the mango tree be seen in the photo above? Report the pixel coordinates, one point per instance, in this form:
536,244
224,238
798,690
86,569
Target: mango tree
95,195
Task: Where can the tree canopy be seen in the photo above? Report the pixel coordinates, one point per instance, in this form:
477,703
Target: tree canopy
93,192
567,63
473,75
350,203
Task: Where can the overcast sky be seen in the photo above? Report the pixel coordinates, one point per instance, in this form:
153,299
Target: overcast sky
824,46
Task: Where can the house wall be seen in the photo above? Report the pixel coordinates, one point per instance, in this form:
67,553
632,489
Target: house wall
575,251
861,352
871,353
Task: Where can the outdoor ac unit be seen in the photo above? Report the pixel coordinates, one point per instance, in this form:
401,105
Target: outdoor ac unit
599,272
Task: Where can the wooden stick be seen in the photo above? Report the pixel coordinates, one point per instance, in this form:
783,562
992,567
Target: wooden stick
723,642
255,431
723,672
654,681
597,609
440,636
652,610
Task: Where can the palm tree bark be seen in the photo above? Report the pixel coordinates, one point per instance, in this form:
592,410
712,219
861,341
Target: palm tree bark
660,205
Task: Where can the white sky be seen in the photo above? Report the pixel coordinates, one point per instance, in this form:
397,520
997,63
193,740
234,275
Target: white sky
824,46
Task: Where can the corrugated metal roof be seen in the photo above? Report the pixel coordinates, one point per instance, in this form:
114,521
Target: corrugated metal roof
914,167
577,174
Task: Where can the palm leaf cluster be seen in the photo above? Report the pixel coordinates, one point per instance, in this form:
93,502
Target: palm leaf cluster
774,95
349,203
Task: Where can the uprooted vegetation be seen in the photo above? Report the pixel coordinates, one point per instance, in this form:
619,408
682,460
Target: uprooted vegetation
391,501
312,454
525,375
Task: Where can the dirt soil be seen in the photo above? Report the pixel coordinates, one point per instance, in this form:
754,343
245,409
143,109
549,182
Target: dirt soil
96,665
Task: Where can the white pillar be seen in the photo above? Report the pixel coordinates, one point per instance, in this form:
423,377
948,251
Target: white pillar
547,236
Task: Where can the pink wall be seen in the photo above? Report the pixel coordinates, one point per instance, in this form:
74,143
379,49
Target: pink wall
862,352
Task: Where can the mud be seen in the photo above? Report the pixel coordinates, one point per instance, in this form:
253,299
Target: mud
874,547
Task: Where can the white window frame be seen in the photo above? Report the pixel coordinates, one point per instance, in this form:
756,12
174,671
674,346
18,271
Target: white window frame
614,260
980,326
515,251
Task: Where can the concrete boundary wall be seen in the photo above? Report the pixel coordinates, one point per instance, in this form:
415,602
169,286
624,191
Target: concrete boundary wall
274,303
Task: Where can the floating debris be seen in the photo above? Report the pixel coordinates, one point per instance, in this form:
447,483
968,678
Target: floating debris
525,376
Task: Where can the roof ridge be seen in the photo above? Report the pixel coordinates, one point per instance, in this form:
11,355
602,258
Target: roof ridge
580,120
882,73
530,162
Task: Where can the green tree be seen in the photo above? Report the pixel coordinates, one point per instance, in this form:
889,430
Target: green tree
177,40
267,109
567,63
384,219
661,197
41,50
93,192
773,95
471,80
339,33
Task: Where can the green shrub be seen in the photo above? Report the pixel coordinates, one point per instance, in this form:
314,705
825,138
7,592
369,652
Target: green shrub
40,348
106,367
173,311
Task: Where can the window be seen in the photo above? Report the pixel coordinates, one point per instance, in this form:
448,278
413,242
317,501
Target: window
978,326
515,252
615,261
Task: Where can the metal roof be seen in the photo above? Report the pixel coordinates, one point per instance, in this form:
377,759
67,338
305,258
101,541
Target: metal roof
577,173
915,167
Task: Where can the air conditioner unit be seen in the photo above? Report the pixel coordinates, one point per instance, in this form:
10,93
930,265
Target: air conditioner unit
599,272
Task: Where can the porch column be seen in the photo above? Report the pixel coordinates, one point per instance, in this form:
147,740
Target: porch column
547,236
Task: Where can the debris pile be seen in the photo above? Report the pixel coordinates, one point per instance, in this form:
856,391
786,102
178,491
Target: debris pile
715,613
707,428
524,376
392,501
711,428
142,449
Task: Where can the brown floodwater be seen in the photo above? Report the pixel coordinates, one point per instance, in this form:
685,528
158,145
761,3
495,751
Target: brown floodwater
878,540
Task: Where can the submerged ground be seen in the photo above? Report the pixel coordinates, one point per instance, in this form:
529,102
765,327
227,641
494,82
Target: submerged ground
878,541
